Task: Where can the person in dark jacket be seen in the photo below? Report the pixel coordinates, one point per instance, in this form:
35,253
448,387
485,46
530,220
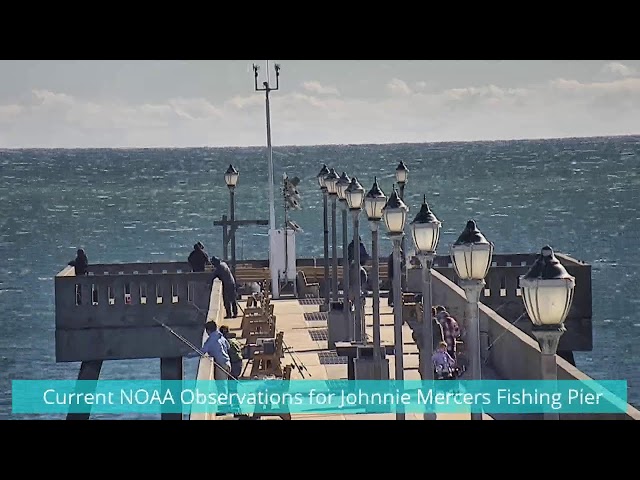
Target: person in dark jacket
229,296
390,275
363,282
364,255
81,262
198,258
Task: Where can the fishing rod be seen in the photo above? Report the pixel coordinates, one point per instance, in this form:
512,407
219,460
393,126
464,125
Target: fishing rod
297,362
195,349
298,366
503,333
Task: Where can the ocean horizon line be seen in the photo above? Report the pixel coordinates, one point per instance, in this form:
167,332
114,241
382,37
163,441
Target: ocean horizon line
364,144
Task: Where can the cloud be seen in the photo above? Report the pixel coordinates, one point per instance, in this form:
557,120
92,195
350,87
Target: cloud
318,88
194,108
617,68
9,113
48,98
246,102
625,86
316,114
399,87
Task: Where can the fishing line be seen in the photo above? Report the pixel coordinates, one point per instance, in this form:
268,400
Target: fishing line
297,362
196,349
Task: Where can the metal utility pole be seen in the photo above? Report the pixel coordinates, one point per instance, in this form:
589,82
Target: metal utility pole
275,280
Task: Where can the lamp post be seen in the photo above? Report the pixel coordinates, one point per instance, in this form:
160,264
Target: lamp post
395,217
471,257
342,184
330,182
231,179
325,215
547,293
402,174
374,202
355,198
425,230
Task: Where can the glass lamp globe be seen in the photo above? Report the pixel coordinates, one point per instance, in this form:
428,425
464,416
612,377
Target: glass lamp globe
231,176
324,171
342,184
425,230
330,181
402,173
547,290
394,214
471,254
374,202
354,194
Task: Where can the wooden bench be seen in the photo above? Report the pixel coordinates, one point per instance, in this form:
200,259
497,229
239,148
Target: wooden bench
264,411
306,289
316,274
251,275
266,364
258,320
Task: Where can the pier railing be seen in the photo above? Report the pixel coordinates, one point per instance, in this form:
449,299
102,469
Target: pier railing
116,311
502,292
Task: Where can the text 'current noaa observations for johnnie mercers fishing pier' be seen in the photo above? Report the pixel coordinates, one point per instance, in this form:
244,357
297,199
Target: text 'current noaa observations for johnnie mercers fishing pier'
305,396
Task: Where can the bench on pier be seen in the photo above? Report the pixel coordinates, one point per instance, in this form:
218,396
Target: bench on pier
247,275
262,411
258,320
306,289
316,274
267,358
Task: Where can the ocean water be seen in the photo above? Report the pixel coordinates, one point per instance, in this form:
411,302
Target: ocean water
143,205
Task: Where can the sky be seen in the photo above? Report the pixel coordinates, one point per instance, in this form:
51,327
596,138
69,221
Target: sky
198,103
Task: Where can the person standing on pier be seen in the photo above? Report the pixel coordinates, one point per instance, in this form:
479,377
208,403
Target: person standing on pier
235,352
364,277
80,263
229,294
450,331
364,255
198,258
390,275
217,347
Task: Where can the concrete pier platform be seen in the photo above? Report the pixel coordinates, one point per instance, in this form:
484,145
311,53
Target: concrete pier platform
305,335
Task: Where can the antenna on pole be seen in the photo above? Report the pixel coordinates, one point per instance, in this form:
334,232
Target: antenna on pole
266,87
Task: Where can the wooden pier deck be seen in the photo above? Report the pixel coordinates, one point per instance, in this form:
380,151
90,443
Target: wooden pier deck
305,333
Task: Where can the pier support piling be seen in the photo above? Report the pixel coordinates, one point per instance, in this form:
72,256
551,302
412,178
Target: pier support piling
171,370
89,371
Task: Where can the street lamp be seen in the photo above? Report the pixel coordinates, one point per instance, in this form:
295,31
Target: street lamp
425,230
330,182
342,184
325,214
395,217
471,256
402,174
231,179
354,195
374,202
547,293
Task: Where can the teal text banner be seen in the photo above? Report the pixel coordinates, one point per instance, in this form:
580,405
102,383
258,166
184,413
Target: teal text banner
317,396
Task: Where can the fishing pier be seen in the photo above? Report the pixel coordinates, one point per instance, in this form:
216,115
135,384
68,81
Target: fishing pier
124,311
